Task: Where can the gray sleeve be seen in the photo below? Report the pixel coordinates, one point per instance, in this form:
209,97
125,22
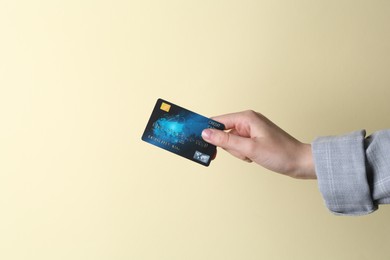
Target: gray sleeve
378,159
353,171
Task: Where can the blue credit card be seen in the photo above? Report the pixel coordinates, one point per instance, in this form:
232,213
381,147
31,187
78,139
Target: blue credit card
179,130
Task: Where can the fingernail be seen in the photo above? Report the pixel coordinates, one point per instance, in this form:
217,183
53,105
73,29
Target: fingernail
206,133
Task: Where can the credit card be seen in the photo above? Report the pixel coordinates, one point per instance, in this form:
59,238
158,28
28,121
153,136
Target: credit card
179,131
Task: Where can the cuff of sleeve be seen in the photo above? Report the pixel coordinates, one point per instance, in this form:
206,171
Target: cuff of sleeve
378,160
340,164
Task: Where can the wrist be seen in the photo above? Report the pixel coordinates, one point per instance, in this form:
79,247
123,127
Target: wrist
305,163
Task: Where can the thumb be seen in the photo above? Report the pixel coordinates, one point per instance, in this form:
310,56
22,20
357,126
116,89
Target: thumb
223,139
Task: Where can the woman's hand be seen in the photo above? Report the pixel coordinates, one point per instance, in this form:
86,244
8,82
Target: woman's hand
252,137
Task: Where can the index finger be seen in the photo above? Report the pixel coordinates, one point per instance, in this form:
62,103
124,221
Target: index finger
232,120
229,120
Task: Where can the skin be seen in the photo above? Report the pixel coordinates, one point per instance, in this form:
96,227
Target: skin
252,137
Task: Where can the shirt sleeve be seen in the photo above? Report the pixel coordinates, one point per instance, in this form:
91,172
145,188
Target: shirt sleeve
353,171
378,159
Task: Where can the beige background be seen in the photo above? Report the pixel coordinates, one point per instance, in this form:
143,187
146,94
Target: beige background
78,80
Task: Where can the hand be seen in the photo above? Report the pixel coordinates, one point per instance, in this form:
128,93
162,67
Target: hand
252,137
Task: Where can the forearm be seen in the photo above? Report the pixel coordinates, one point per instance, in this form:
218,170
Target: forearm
304,164
378,162
353,171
